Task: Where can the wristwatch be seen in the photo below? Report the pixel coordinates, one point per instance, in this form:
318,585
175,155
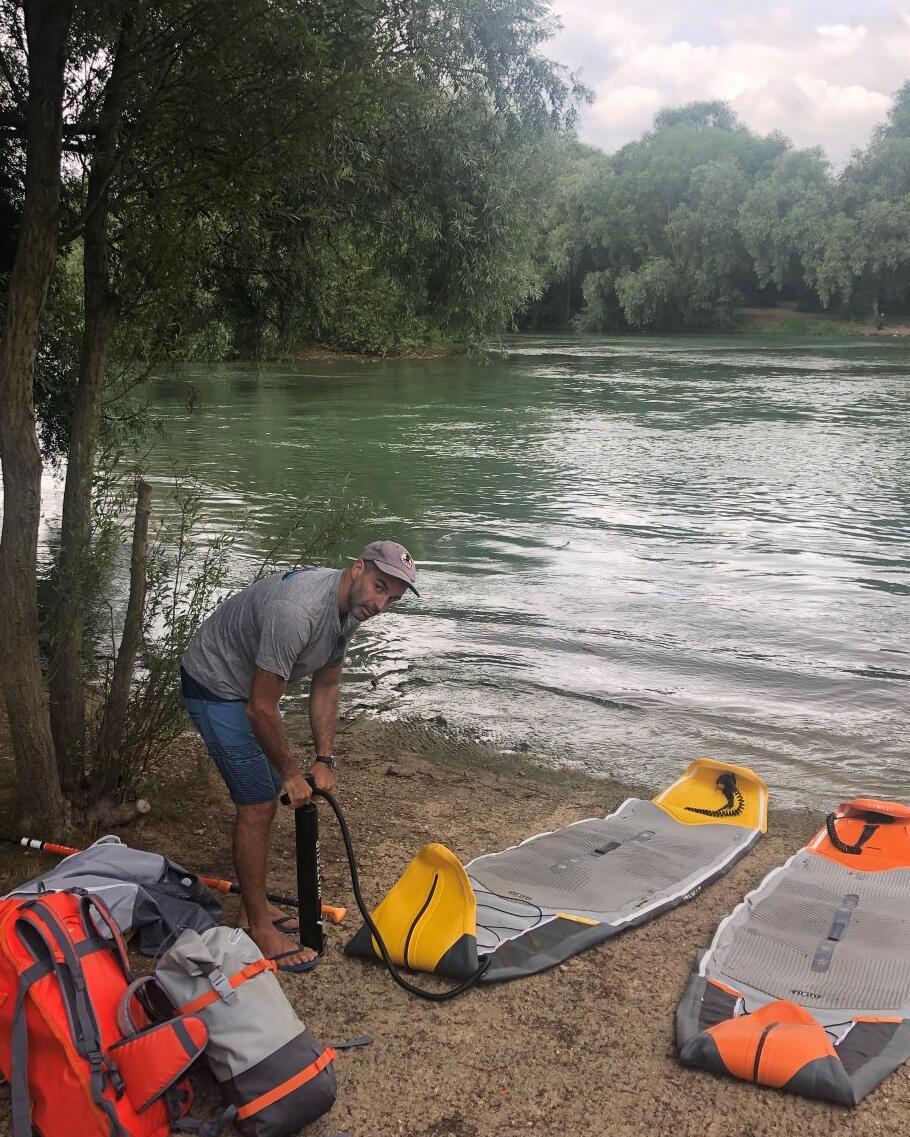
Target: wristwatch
328,759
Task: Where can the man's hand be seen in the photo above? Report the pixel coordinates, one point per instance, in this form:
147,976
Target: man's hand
323,776
298,790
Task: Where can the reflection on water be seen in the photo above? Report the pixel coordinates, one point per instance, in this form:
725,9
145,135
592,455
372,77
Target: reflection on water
632,552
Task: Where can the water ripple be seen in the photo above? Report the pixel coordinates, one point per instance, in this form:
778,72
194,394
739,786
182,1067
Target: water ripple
633,551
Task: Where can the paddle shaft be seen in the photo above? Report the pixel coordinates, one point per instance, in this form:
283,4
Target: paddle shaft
335,913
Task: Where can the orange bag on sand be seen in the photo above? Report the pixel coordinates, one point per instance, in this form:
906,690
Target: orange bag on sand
65,990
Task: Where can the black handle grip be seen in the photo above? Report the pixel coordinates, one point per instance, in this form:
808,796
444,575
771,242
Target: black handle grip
285,800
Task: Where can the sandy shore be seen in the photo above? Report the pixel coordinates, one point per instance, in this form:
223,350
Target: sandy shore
587,1048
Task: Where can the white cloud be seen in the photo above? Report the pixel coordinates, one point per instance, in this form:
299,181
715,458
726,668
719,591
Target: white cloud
822,71
627,107
842,37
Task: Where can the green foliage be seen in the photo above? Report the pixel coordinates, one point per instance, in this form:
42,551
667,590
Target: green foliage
191,567
576,223
713,115
661,219
186,577
864,256
803,326
57,370
784,217
707,248
601,311
650,295
430,242
57,361
398,212
361,176
700,216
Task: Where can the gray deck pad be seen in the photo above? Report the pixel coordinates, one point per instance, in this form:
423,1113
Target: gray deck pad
560,892
777,946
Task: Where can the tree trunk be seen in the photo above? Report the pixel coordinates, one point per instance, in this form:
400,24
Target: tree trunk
284,322
107,766
67,666
47,27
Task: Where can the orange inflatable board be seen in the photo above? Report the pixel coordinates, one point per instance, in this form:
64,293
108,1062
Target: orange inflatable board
806,986
866,835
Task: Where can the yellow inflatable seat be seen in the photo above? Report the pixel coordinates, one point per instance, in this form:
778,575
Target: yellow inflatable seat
428,919
710,792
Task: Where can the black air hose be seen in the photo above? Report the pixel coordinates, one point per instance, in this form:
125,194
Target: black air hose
433,996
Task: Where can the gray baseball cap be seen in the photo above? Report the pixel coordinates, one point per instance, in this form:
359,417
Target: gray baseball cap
392,559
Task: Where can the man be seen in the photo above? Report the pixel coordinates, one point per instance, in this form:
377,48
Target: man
234,673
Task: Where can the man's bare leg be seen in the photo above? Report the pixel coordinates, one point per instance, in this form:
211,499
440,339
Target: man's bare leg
251,849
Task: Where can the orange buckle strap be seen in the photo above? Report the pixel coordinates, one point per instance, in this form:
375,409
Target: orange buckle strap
249,972
288,1087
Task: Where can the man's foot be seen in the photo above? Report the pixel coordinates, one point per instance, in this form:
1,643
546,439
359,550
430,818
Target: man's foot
277,946
282,921
284,962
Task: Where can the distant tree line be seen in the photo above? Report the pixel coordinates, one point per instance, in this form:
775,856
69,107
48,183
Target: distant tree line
701,216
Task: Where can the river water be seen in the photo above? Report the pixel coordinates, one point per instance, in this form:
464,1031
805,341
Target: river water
632,551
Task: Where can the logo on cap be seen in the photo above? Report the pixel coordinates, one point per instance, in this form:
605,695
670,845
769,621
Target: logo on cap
406,558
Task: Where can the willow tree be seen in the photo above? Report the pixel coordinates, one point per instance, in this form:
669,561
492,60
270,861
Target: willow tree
863,261
649,236
182,120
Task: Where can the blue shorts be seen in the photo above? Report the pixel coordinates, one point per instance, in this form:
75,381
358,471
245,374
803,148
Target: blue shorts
249,776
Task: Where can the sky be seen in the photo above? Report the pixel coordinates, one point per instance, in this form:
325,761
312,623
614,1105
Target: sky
822,72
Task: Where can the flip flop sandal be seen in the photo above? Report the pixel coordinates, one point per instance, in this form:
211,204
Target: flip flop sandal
290,925
294,968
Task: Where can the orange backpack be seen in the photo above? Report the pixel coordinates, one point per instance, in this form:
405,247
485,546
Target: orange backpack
65,988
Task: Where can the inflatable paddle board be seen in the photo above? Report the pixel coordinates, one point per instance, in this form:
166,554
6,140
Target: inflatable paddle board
806,986
532,906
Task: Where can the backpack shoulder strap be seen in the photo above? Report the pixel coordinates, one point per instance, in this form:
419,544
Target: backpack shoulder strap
20,1098
91,906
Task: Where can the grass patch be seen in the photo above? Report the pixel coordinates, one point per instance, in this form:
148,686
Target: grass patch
800,325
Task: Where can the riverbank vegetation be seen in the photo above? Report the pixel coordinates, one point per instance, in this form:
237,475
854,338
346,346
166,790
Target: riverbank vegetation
193,180
702,217
186,178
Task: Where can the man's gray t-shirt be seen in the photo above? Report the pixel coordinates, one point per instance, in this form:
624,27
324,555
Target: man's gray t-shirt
288,624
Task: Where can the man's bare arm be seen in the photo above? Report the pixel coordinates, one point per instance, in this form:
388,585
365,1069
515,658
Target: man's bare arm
324,693
268,726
